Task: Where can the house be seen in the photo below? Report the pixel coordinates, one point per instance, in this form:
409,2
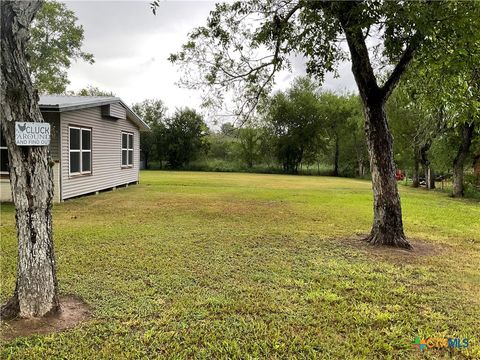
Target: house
94,145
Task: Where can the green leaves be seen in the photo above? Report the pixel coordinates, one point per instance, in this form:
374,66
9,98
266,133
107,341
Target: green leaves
244,44
307,126
56,40
185,137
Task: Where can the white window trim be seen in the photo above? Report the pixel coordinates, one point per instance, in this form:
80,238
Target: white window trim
127,149
81,129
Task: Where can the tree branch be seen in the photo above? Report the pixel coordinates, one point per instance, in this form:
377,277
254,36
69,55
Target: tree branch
361,64
275,62
401,66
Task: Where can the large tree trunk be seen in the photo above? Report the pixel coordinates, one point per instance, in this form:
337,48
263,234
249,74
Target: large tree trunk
35,292
387,226
459,161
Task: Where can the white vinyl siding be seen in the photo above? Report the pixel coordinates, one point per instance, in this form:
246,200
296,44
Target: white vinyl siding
80,150
115,111
118,111
106,166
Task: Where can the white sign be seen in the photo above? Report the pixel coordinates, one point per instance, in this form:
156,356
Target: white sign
32,133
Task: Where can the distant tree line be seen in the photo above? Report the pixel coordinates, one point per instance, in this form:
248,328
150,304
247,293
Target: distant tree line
300,128
174,141
306,130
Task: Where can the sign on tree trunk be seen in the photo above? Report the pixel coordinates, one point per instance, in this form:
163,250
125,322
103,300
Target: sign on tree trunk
32,134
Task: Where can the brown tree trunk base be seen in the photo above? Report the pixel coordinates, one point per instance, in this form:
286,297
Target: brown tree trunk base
10,309
73,312
382,239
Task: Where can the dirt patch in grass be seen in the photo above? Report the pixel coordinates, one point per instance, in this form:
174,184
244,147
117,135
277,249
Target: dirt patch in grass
74,311
420,249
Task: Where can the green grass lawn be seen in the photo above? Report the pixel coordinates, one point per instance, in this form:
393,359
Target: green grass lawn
224,265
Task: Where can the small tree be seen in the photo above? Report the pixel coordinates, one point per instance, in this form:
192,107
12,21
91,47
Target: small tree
249,145
153,112
185,137
56,40
337,112
295,120
36,290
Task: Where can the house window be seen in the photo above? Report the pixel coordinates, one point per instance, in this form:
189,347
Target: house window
127,149
80,150
4,168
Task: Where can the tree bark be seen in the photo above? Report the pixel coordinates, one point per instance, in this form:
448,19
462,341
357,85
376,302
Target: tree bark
459,161
35,293
387,226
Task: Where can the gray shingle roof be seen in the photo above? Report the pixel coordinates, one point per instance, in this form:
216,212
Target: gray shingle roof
61,103
64,101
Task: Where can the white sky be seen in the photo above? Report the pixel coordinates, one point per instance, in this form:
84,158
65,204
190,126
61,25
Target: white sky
131,47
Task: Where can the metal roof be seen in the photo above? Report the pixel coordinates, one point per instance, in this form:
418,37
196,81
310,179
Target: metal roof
61,103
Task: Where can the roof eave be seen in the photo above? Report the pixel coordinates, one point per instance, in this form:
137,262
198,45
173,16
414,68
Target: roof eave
135,118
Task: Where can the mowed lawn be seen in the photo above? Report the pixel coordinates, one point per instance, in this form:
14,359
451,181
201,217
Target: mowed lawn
220,265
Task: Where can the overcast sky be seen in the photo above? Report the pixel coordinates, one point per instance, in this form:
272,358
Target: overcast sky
131,47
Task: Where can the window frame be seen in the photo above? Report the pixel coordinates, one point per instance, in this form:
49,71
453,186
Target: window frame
128,149
4,148
80,151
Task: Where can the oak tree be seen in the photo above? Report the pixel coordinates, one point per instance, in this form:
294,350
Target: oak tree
294,119
56,41
36,291
185,137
